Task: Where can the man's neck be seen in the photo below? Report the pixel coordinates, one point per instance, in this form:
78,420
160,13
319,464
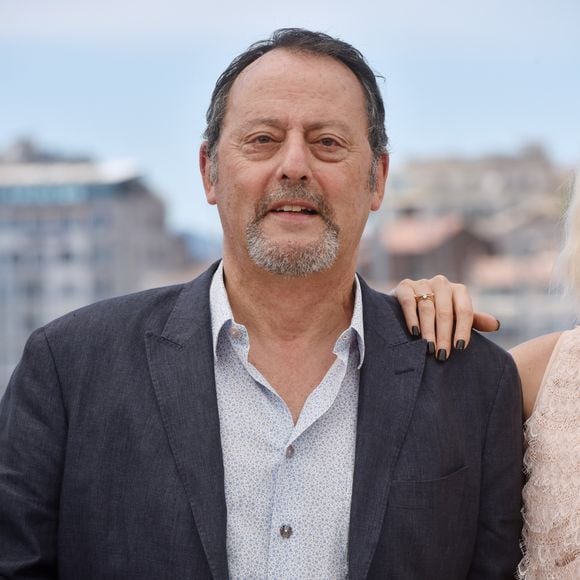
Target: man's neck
287,309
293,324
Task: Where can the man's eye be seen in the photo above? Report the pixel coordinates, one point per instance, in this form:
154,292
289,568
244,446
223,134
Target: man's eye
328,142
263,139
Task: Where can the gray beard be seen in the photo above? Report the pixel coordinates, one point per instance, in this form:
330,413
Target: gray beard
291,259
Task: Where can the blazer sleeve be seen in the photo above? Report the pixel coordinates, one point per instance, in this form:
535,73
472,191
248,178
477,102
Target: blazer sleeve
32,446
497,550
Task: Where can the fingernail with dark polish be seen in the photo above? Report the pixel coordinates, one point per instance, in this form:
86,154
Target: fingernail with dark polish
498,324
441,355
415,331
431,347
460,344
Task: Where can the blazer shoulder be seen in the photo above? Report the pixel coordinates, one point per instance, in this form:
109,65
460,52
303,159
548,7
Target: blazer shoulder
482,347
116,312
486,370
131,313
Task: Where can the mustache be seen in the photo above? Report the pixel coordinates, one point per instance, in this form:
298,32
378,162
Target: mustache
296,192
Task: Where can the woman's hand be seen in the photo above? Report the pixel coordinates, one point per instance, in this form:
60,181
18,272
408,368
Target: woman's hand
441,312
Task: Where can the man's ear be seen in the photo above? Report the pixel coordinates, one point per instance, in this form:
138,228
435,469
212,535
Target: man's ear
381,172
208,173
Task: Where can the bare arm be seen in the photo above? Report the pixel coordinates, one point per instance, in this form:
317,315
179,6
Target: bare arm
532,358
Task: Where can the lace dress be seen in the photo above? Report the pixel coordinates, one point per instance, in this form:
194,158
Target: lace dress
551,533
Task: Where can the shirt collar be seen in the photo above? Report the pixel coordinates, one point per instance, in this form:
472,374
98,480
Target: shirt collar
221,312
356,322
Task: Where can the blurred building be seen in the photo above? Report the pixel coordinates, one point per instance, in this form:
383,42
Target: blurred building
477,186
419,246
72,231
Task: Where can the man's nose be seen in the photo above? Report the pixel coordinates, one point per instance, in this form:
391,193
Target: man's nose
295,159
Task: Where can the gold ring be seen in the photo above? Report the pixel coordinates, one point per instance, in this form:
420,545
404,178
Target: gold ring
427,296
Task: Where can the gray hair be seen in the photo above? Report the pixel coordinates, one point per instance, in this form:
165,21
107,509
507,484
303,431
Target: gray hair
306,41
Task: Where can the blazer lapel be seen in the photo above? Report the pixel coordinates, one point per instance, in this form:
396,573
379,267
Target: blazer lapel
181,366
389,382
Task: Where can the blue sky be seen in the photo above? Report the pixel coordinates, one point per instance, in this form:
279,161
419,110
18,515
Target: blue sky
132,79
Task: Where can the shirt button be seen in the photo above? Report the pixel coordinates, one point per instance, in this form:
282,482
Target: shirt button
285,531
290,452
235,332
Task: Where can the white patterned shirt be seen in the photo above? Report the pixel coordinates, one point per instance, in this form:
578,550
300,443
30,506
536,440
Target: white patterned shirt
288,486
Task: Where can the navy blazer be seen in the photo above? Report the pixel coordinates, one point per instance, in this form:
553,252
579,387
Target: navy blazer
111,462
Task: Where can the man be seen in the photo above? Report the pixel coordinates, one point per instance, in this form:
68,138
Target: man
271,419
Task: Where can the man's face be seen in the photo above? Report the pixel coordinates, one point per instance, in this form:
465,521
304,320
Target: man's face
292,181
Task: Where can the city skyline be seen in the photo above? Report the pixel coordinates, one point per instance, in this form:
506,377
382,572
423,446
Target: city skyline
134,80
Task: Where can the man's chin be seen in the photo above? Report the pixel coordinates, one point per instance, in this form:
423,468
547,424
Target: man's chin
292,260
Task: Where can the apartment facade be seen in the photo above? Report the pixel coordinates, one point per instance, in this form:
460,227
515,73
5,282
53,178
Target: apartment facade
72,231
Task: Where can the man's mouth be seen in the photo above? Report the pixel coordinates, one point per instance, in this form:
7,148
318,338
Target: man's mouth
295,209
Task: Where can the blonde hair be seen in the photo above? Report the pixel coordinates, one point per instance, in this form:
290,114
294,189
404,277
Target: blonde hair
568,264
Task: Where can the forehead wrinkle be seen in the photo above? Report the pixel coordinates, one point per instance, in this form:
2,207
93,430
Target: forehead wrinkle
268,121
330,124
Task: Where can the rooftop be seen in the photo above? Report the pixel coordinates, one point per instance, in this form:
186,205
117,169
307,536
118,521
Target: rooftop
63,173
419,234
25,163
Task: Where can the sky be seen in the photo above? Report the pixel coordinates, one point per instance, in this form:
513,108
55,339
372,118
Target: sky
122,79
